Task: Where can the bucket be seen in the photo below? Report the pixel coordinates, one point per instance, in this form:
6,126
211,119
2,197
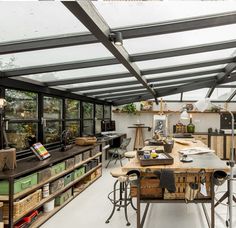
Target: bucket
219,177
49,206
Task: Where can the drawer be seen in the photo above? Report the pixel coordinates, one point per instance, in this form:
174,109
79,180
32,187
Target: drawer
70,163
44,175
78,158
58,168
56,185
19,184
61,199
79,172
86,155
68,178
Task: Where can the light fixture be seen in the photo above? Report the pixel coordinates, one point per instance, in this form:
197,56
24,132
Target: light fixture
116,37
203,105
3,103
184,115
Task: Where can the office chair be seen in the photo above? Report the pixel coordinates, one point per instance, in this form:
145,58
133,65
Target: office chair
117,153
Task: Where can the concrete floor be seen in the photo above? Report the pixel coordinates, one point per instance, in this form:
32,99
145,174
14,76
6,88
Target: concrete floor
91,208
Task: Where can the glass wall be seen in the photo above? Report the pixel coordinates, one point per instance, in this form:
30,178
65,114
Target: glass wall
88,119
98,118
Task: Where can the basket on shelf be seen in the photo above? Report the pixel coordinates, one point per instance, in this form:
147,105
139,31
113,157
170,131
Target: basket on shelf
85,141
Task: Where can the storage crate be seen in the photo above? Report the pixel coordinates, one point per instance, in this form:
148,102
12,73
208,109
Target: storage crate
44,175
150,188
95,150
58,168
86,155
70,163
94,163
68,178
79,172
98,172
56,185
23,205
78,158
88,166
179,194
19,184
61,199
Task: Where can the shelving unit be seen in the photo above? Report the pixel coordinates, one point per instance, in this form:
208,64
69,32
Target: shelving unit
54,160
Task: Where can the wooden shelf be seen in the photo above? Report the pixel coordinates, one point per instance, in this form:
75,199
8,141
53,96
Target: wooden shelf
45,216
35,187
167,112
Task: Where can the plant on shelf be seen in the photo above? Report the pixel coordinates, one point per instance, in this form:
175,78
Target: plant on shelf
130,108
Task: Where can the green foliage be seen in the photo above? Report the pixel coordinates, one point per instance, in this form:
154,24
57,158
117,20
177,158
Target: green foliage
130,108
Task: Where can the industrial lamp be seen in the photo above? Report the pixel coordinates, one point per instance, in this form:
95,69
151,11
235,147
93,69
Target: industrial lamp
203,105
184,115
116,37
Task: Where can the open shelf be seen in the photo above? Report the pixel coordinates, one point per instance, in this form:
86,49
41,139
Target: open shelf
35,187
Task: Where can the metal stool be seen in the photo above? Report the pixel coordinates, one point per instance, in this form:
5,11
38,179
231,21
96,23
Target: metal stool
124,199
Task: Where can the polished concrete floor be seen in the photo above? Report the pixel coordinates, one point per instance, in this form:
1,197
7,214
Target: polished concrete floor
91,208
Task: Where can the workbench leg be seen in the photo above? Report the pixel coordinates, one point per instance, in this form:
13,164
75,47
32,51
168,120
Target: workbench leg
138,204
212,203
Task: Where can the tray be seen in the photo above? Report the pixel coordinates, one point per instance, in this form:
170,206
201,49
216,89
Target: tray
168,160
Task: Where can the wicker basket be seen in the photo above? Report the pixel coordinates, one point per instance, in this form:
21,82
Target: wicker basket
85,141
24,205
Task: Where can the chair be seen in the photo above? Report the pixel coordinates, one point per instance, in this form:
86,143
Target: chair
118,152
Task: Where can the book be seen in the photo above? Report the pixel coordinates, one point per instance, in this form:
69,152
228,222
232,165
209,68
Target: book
40,151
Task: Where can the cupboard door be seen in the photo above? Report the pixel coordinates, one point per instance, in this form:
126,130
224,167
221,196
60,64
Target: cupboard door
228,145
217,144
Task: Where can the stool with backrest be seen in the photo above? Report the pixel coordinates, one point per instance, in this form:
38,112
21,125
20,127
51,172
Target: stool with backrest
120,197
118,152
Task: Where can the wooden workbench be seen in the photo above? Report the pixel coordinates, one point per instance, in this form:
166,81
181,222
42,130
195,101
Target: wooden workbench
208,162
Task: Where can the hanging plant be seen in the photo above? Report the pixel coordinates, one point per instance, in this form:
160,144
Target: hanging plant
130,108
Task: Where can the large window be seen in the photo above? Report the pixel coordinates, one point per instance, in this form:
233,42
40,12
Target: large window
98,118
72,116
52,119
22,113
88,119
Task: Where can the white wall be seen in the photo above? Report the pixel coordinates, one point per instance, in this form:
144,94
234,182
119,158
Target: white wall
202,121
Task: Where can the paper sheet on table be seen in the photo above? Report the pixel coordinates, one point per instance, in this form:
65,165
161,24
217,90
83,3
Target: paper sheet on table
196,150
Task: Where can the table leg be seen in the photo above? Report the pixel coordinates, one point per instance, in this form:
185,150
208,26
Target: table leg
138,204
212,203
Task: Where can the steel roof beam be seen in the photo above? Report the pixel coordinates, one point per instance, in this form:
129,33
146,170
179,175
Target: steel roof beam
210,91
87,14
125,95
128,33
231,96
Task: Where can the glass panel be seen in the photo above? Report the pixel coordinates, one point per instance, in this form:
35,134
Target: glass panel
88,110
80,73
107,111
52,108
221,94
180,39
174,97
52,132
40,19
18,133
99,111
73,127
186,59
147,12
229,83
98,128
195,95
72,109
21,104
88,127
56,55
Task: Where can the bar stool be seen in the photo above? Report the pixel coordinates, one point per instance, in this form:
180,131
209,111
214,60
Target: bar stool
130,154
124,199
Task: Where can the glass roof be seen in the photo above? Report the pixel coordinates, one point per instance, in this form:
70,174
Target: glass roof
221,94
146,12
174,97
195,95
30,19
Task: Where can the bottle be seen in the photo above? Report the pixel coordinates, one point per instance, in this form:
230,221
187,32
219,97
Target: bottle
191,126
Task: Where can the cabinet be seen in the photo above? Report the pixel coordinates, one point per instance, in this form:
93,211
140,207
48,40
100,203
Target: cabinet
228,145
217,144
76,179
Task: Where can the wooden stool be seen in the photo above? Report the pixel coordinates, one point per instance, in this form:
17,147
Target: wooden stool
1,215
123,200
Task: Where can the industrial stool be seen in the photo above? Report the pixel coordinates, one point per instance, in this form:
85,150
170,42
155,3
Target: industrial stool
130,154
124,198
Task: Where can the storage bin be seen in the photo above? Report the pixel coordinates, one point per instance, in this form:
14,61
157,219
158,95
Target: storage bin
70,163
86,155
78,158
58,168
79,172
23,205
44,175
19,184
56,185
61,199
49,206
87,166
95,150
94,163
68,178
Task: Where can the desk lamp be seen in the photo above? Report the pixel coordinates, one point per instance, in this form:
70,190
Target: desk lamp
203,105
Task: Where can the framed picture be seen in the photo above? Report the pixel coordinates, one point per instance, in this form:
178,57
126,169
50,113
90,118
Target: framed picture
146,105
160,124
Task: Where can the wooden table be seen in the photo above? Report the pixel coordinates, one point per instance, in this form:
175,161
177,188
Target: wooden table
209,162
